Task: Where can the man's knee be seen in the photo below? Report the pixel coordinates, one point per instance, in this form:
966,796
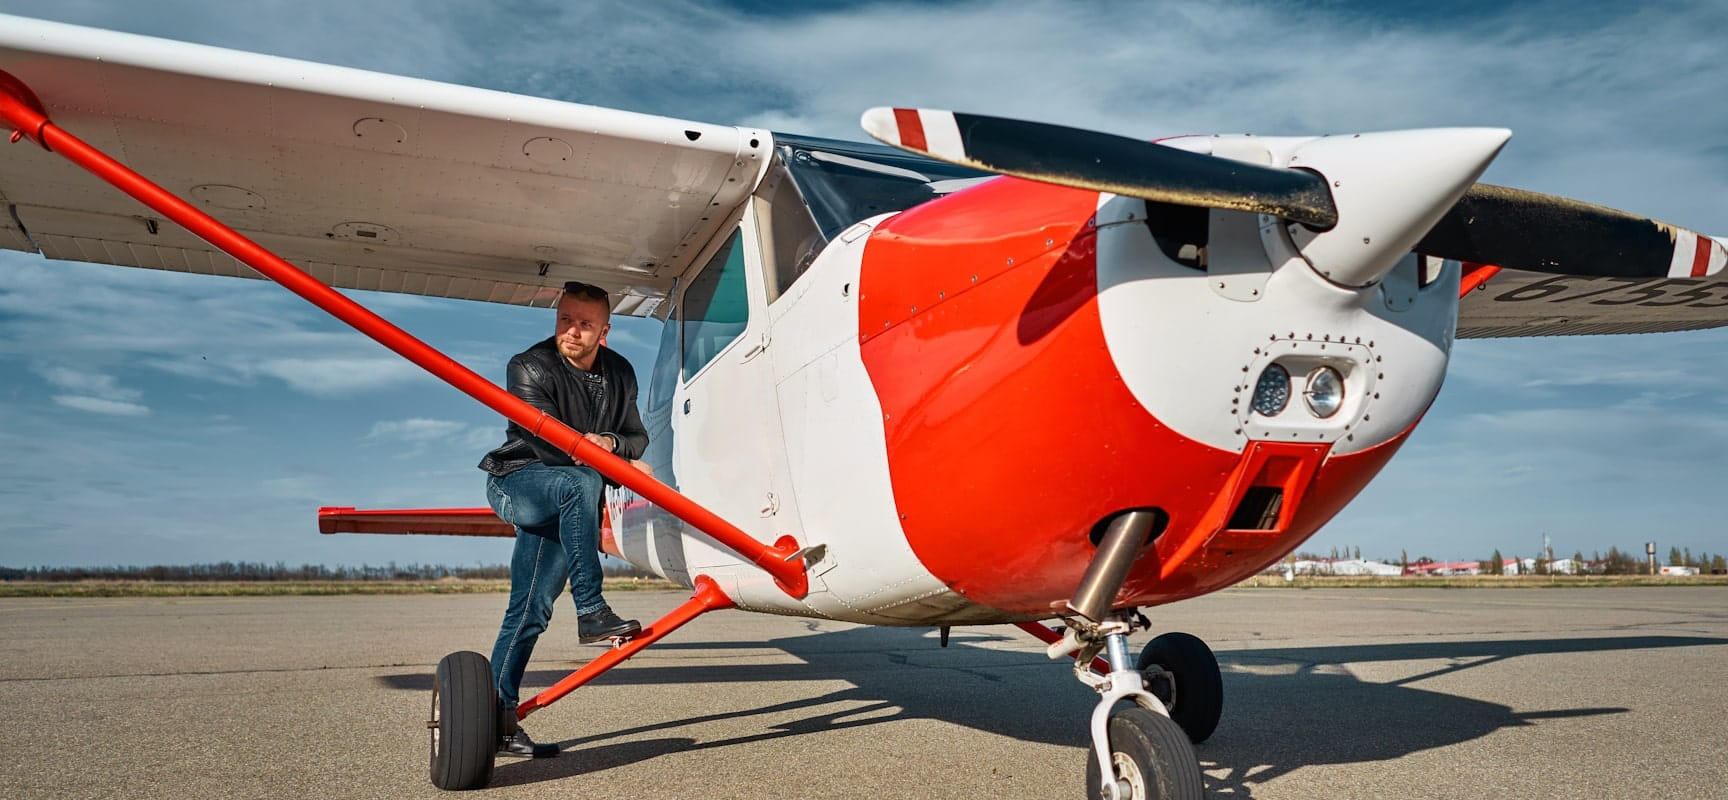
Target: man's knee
581,484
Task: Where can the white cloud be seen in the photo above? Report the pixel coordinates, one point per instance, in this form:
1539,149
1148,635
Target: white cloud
389,35
97,405
87,382
421,434
334,376
416,430
93,391
227,331
1671,376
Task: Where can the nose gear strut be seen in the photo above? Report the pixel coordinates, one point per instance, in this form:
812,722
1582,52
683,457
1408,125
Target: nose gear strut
1138,753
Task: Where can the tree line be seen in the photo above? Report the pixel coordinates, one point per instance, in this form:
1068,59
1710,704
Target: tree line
279,571
1616,562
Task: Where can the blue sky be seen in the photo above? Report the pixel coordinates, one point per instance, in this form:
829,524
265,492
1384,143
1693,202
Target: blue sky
161,418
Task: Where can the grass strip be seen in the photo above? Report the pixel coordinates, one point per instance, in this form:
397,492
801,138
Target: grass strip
464,586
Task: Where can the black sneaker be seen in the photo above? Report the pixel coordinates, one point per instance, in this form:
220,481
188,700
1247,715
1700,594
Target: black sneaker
518,744
604,624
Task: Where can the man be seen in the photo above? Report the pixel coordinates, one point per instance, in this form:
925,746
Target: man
554,501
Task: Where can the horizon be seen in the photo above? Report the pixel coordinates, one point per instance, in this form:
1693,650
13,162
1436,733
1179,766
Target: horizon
1340,553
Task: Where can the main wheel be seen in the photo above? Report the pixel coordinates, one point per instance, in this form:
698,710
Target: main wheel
464,723
1150,758
1181,670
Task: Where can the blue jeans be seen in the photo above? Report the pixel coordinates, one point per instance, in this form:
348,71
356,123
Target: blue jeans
556,511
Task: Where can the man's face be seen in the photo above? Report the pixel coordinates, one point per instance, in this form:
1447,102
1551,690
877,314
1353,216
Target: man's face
582,323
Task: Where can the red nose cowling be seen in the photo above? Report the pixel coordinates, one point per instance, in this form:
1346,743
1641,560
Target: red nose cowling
1010,434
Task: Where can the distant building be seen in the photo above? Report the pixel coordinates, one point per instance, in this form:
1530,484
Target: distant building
1447,568
1346,566
1520,566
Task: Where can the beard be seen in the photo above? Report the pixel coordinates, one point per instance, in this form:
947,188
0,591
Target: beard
574,351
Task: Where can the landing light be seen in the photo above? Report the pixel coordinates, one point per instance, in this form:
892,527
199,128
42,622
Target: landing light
1272,391
1325,392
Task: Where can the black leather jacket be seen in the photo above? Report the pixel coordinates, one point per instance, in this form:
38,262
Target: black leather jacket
540,376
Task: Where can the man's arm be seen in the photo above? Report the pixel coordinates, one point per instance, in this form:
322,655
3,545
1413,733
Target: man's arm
632,435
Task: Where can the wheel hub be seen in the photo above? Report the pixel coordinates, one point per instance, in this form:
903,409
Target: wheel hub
1130,783
1162,684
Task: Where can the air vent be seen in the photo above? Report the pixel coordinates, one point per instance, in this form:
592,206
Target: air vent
1258,510
1181,232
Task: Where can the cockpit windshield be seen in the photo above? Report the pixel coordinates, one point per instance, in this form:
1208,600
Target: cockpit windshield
844,182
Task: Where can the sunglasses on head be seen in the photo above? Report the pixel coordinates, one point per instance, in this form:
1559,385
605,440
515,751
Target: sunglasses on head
587,290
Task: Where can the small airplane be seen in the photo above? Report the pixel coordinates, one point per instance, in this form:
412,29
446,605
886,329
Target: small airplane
991,371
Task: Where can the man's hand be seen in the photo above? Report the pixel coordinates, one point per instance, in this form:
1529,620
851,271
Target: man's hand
599,440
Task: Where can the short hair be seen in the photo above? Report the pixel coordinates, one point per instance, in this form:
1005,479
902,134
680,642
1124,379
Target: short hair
587,291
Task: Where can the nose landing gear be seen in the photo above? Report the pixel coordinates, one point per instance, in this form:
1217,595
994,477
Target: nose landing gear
1143,751
1138,752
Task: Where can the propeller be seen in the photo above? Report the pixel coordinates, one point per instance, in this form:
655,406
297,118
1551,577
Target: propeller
1538,232
1488,225
1105,163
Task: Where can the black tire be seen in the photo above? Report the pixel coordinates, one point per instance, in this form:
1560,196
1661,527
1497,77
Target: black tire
1151,755
464,724
1198,693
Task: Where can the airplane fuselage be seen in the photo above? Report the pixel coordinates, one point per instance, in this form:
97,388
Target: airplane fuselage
952,400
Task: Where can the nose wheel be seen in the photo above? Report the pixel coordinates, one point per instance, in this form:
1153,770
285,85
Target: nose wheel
1150,759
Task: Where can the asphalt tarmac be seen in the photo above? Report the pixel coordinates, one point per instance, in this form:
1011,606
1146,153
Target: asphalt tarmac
1495,693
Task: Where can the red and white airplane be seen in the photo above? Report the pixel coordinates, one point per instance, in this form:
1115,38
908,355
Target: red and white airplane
1001,372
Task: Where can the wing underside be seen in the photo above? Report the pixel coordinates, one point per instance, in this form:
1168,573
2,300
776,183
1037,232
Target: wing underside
367,181
1515,303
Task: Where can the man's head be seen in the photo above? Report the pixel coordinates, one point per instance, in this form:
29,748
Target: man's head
584,318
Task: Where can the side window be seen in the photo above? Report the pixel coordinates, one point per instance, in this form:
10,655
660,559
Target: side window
715,307
791,238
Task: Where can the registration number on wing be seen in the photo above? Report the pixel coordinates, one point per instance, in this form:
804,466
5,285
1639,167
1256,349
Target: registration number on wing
1688,292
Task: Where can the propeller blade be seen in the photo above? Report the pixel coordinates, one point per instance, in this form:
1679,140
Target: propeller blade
1106,163
1543,233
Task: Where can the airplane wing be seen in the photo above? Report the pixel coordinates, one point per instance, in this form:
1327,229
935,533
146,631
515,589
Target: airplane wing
1516,303
365,180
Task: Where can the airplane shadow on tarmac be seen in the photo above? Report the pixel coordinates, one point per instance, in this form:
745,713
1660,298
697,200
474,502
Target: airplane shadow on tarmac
1284,708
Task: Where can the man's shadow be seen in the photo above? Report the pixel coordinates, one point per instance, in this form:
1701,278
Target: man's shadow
1284,708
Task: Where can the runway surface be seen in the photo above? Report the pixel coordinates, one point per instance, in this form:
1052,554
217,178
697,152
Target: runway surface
1499,693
